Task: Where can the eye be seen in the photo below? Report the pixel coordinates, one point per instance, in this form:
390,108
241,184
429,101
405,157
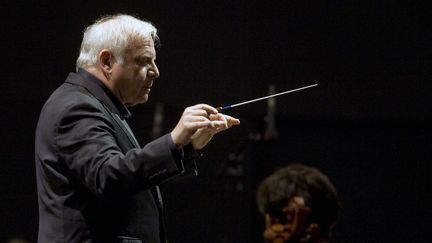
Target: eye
142,61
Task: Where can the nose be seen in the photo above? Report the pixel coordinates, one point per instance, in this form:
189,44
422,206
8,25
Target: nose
153,72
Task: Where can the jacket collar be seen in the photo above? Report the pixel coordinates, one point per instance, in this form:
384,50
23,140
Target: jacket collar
99,91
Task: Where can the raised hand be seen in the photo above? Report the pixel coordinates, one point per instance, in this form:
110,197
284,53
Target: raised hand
219,123
198,124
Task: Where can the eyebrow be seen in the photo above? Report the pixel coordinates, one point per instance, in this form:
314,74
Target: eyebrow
146,54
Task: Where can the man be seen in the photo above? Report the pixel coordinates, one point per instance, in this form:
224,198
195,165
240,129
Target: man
299,203
95,183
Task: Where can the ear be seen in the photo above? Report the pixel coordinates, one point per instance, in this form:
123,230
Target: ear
106,60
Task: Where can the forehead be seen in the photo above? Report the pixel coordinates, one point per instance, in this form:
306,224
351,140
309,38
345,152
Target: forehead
141,46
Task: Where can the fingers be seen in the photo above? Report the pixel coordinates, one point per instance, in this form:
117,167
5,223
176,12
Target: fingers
218,121
203,117
192,119
223,122
232,121
196,112
209,109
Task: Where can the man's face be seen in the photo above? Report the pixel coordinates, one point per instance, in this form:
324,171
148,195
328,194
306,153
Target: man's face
134,77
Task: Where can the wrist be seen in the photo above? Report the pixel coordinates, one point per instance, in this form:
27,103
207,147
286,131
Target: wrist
191,153
175,140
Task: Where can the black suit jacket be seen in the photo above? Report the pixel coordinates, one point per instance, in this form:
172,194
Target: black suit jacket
95,183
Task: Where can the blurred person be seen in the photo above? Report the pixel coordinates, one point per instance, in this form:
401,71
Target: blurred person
299,203
95,182
17,240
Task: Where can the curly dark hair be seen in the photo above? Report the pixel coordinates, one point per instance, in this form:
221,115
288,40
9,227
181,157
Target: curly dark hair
304,181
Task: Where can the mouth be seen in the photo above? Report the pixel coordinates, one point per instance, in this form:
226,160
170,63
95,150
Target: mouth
147,89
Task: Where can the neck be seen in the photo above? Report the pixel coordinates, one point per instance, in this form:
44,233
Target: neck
104,78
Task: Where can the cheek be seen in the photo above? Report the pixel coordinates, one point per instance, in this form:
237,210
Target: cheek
137,77
143,73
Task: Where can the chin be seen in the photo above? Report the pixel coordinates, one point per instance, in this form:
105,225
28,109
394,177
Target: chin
143,100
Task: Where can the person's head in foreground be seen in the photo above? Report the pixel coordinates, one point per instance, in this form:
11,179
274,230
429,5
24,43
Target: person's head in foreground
299,203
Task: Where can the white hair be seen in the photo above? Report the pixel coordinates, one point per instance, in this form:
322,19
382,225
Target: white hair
113,32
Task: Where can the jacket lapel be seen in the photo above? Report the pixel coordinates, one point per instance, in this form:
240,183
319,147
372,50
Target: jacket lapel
126,129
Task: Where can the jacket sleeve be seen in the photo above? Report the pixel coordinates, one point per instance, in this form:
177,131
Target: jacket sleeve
86,142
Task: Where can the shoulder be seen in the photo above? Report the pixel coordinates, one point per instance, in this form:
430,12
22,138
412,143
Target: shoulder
70,95
69,101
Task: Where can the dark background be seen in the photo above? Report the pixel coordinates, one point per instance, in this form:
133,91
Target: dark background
367,124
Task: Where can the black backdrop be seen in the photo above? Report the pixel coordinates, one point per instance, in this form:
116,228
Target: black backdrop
366,125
